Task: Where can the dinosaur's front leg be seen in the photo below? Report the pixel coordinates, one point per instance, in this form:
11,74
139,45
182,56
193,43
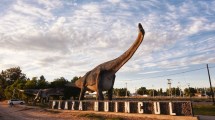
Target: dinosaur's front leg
99,95
110,92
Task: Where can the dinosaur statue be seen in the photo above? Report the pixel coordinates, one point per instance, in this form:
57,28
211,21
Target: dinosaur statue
102,77
44,94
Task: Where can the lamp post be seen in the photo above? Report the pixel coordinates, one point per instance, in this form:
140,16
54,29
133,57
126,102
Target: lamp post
135,91
179,87
126,94
189,90
153,94
170,91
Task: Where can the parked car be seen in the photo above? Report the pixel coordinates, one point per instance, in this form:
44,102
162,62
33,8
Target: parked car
16,101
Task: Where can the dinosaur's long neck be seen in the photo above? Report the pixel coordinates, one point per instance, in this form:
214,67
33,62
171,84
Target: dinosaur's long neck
121,60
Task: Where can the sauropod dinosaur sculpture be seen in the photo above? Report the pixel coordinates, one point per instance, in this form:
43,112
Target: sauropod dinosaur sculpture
43,95
102,77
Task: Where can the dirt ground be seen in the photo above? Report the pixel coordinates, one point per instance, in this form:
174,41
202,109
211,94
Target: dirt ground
22,112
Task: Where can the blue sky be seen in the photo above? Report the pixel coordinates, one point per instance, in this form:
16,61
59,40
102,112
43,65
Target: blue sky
67,38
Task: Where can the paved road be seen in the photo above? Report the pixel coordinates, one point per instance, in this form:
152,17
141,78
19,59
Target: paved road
12,113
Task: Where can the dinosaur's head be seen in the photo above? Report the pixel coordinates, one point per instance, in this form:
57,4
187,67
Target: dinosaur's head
141,29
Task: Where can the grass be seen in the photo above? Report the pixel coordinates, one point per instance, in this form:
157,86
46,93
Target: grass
204,110
43,106
52,111
98,117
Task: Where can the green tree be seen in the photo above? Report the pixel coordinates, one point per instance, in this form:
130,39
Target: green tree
190,91
8,92
142,91
31,84
175,91
59,83
121,92
42,83
12,74
7,79
160,92
74,79
152,92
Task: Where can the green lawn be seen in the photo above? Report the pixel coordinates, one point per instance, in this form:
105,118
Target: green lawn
204,110
99,117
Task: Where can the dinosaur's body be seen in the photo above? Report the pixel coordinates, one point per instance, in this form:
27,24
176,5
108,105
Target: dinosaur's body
102,77
44,94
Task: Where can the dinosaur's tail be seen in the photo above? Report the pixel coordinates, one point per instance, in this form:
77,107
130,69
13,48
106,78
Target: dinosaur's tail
71,85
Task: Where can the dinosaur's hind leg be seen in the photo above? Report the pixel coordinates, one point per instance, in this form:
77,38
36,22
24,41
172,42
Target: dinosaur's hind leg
83,90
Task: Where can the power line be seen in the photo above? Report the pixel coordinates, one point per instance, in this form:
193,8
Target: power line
170,74
200,53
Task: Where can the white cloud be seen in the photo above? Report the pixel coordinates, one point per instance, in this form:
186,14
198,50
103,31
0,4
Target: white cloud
77,38
29,10
114,1
150,72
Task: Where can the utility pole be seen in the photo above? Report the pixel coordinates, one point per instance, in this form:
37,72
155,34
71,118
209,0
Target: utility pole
170,91
153,91
126,94
135,91
189,90
211,85
179,87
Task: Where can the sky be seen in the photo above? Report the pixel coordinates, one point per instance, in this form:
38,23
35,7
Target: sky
67,38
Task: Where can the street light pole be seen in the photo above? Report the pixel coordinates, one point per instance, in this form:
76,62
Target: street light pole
153,91
170,91
126,94
135,91
189,89
179,87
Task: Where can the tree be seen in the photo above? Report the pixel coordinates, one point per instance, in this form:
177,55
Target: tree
121,92
31,84
190,91
74,79
8,77
3,85
175,91
42,83
59,83
142,91
160,92
12,74
152,92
